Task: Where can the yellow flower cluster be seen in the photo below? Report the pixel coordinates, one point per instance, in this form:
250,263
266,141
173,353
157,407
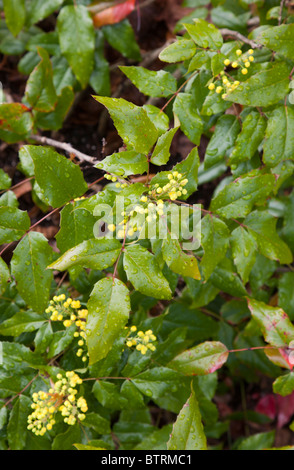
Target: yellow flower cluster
69,311
142,340
228,85
114,179
173,189
61,397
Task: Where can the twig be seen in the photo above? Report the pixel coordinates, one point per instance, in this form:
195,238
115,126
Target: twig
63,146
240,37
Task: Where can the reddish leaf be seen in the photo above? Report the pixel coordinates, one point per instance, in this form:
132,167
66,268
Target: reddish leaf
277,407
114,14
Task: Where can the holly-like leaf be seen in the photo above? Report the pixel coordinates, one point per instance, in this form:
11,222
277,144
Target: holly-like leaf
178,51
264,88
156,382
17,424
4,276
13,224
28,265
125,163
5,180
249,139
144,273
205,34
178,261
151,83
244,249
60,180
225,133
54,119
238,198
188,432
215,241
109,307
94,254
187,114
38,9
21,322
16,121
77,40
279,140
131,122
121,37
201,360
279,39
161,152
274,323
262,226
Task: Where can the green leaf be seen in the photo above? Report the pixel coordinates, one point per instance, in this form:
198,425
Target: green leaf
13,224
205,34
157,440
151,83
54,120
17,355
4,276
262,225
201,360
100,77
158,117
144,273
226,280
279,39
178,51
274,323
249,139
40,92
28,265
238,198
223,138
96,253
109,307
260,441
188,432
61,340
38,9
215,241
124,163
67,440
264,88
244,248
190,120
21,322
155,382
161,152
60,180
279,141
178,261
121,37
5,180
109,396
43,338
17,424
131,122
284,385
286,297
97,422
15,15
77,40
16,122
76,226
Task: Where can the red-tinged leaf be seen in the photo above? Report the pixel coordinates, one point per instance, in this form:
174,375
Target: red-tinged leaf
274,323
114,14
277,407
282,357
15,121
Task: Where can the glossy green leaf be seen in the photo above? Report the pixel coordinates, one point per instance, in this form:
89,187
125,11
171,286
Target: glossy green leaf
144,273
223,138
188,432
28,265
21,322
15,15
179,261
109,396
97,422
15,121
17,424
279,141
201,360
121,37
131,122
13,224
264,88
161,152
124,163
38,9
151,83
77,40
96,253
279,39
60,180
284,385
4,276
239,197
274,323
54,120
155,382
109,307
190,121
215,241
249,139
262,225
100,77
5,180
286,294
17,355
178,51
226,279
60,341
260,441
158,117
205,34
244,248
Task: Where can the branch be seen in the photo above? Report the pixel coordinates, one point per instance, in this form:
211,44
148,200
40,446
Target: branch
63,146
240,37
